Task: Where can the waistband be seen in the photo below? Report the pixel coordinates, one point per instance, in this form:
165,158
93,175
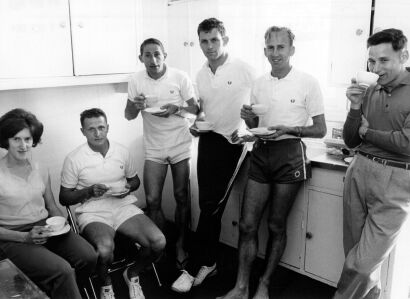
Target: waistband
386,162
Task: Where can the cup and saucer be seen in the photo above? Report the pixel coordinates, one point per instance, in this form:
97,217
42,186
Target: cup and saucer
261,131
203,126
57,225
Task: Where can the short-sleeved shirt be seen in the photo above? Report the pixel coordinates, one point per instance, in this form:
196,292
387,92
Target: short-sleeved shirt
21,200
224,93
174,87
84,167
291,101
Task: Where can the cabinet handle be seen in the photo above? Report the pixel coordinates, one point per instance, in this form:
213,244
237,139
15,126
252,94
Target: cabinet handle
62,25
309,235
234,223
191,44
185,44
81,25
359,32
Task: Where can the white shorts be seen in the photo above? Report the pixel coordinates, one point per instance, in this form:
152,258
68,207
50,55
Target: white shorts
170,155
111,211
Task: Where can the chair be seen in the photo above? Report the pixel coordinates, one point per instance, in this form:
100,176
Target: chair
123,254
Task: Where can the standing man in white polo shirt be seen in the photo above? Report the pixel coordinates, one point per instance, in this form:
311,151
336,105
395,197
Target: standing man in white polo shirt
278,160
224,85
166,134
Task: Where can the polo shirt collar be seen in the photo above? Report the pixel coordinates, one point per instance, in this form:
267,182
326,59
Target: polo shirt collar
94,153
289,77
165,75
404,81
227,61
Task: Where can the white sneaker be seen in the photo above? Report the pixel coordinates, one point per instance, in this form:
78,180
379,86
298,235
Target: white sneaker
134,287
107,292
203,273
184,283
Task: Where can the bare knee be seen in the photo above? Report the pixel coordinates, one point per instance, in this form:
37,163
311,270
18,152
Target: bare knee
105,250
181,197
277,230
158,242
248,229
153,202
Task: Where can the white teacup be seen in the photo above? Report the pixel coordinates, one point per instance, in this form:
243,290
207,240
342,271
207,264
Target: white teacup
56,223
151,100
203,125
366,79
116,188
259,109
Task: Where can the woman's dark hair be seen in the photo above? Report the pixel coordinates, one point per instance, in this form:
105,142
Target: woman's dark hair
16,120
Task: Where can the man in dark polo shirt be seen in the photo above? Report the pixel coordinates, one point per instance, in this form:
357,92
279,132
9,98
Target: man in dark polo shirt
377,186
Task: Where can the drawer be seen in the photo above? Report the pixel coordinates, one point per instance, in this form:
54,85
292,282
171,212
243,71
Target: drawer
328,179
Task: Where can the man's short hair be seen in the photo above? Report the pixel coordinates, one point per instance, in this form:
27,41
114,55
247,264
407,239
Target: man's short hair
16,120
393,36
151,41
212,23
289,32
91,113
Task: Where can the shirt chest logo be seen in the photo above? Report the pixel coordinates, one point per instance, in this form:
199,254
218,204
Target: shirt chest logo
122,167
172,91
229,82
292,101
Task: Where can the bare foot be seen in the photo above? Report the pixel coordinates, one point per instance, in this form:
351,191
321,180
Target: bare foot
262,292
236,294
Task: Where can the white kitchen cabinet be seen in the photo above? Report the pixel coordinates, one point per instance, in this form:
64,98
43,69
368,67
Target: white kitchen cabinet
392,14
35,39
104,36
184,17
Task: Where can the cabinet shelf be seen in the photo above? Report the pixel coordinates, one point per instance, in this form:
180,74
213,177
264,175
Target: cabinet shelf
47,82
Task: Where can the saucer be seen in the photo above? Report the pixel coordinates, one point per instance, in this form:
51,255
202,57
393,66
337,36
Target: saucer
348,160
261,131
116,194
63,231
154,110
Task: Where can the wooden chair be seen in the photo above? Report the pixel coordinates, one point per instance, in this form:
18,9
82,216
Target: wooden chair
123,254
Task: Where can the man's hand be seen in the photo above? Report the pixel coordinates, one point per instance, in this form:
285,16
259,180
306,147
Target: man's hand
363,127
38,235
169,110
247,113
98,190
355,94
139,102
242,139
280,130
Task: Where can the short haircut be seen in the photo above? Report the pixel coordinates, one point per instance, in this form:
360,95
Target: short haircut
212,23
289,32
91,113
16,120
151,41
395,37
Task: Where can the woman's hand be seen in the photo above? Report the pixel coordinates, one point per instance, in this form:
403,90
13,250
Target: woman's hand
38,235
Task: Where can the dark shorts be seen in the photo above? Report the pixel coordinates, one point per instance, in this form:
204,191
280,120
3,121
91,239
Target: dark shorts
282,161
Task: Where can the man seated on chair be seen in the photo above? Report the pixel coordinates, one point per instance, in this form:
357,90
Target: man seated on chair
99,175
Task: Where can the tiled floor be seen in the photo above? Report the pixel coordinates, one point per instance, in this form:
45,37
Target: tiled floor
285,284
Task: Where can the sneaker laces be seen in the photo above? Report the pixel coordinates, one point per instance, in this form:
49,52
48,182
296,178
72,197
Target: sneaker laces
203,273
107,292
135,289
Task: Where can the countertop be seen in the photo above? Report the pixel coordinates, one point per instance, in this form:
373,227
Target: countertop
328,161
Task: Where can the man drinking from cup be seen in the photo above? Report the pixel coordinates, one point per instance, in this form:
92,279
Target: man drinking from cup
376,197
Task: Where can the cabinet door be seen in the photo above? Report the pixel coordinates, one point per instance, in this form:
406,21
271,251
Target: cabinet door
294,229
392,14
104,36
35,39
324,256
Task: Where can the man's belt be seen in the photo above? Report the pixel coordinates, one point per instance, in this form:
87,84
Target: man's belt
386,162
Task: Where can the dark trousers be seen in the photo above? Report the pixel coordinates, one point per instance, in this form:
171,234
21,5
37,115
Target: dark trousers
55,265
217,160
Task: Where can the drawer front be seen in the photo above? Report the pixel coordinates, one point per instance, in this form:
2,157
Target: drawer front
328,179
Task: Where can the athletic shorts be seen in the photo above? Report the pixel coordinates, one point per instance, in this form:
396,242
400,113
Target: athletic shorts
282,161
109,211
170,155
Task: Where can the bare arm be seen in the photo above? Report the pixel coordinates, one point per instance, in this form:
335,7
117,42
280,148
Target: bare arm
316,130
131,111
72,196
133,183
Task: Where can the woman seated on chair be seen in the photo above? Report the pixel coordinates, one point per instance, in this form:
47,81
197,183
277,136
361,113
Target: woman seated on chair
26,201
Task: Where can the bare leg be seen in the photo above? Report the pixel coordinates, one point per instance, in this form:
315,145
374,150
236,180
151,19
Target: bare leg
154,177
255,200
180,176
142,230
101,236
283,196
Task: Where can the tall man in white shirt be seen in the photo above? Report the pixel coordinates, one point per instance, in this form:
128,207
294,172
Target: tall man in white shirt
166,134
223,86
278,167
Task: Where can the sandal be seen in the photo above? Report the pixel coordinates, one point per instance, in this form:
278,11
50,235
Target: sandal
182,264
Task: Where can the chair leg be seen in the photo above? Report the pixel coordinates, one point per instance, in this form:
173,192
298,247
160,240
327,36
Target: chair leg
90,281
156,275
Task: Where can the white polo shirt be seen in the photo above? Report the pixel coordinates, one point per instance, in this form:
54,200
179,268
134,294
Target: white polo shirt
224,93
84,167
291,101
174,87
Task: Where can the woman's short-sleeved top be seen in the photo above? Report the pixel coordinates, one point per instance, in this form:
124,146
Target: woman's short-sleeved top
21,200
